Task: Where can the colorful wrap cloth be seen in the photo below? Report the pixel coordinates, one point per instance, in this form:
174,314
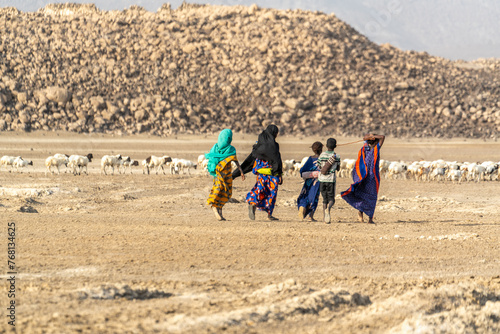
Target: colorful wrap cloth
362,194
222,188
263,194
309,194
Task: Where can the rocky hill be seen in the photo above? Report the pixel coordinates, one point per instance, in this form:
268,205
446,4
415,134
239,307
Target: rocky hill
198,69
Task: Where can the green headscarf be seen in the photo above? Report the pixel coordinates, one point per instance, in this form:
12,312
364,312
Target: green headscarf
220,151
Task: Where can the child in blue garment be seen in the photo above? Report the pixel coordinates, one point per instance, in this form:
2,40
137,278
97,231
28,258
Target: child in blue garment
309,195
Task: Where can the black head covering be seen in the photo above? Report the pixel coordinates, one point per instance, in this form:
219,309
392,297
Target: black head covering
272,129
266,149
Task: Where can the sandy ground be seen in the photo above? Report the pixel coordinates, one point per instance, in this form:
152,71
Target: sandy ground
143,253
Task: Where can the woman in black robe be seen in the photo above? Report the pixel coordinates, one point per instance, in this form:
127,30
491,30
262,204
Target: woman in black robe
265,162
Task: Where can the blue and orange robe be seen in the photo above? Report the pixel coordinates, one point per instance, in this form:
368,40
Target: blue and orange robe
363,193
309,195
263,194
222,189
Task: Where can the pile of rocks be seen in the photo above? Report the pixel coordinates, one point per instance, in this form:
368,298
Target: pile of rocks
198,69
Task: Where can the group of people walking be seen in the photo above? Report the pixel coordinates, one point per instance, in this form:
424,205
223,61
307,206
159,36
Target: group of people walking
318,172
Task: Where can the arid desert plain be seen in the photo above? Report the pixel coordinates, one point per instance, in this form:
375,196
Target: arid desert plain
135,253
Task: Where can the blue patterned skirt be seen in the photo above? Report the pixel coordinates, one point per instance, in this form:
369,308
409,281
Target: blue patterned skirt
264,192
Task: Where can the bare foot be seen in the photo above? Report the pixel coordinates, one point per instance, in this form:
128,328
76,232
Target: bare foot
310,219
327,217
302,212
220,213
216,212
251,211
360,217
370,221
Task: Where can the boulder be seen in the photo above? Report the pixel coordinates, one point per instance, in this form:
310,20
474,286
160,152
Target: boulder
402,85
22,97
97,102
58,94
293,103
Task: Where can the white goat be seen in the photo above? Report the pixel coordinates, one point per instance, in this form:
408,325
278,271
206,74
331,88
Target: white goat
79,162
145,165
346,167
201,158
110,161
128,162
8,160
383,166
173,166
62,156
413,170
466,170
296,168
476,173
289,167
438,173
21,163
455,175
155,162
204,167
491,169
53,161
397,169
423,171
182,165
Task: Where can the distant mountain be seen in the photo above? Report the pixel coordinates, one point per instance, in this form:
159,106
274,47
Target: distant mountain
454,29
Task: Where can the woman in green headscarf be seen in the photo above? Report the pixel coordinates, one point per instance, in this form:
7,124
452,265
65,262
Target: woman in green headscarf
219,166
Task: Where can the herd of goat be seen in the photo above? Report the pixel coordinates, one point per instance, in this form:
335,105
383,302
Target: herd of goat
438,170
77,164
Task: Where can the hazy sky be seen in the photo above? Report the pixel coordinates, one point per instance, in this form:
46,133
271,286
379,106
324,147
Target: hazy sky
465,29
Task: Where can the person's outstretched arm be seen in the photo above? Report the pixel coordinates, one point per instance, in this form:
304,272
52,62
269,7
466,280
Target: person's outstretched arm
241,170
246,166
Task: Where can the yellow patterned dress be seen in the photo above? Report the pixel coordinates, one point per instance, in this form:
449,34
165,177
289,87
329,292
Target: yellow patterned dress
223,183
